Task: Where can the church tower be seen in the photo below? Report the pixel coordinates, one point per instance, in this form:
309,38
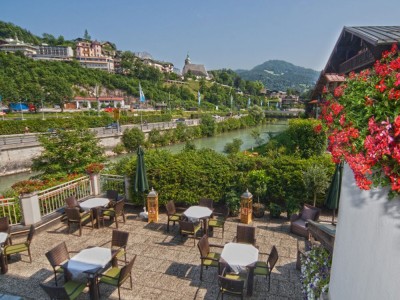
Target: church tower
187,60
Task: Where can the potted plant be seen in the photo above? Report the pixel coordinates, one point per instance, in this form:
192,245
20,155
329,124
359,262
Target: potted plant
274,210
258,183
233,202
292,206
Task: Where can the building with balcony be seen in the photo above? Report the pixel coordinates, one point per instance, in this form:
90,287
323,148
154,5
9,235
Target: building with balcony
13,46
356,49
89,55
45,52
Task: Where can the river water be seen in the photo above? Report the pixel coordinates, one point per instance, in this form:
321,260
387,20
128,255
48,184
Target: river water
216,143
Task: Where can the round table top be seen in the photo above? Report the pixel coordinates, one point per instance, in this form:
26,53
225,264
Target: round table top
237,254
94,202
198,212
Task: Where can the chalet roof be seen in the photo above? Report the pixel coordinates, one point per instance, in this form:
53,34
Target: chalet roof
357,48
376,35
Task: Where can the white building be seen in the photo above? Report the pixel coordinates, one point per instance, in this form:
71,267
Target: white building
16,45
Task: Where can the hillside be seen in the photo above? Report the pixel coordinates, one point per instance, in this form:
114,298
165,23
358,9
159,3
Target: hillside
281,75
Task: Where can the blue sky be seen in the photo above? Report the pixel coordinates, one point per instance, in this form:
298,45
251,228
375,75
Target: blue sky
235,34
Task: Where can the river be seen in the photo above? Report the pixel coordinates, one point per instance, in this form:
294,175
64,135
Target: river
216,143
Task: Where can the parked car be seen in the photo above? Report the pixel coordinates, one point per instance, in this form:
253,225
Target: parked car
180,120
109,109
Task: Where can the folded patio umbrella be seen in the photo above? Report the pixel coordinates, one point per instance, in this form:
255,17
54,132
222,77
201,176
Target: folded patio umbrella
333,196
140,184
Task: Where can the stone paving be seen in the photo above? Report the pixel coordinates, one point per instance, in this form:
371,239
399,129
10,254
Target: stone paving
167,266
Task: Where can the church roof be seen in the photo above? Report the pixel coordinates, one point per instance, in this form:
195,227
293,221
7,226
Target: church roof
197,70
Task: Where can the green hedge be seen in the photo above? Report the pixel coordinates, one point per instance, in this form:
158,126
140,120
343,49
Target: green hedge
74,122
183,177
186,176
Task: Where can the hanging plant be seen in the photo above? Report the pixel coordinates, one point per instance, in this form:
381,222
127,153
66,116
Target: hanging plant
362,119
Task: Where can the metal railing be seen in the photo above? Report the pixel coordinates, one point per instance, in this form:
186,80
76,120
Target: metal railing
10,207
52,199
112,182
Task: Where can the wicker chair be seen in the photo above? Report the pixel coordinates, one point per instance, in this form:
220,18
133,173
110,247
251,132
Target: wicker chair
246,234
117,276
5,227
57,257
206,202
298,221
173,216
189,228
20,247
71,290
218,219
114,212
72,202
208,258
119,240
112,195
265,268
74,216
232,284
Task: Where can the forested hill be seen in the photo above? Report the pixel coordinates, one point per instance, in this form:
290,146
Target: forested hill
281,75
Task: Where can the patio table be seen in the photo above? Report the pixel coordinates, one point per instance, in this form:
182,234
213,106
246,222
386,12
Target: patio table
3,265
90,261
94,204
241,257
195,213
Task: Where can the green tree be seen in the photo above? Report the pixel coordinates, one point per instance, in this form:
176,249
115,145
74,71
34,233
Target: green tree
233,147
132,139
207,125
67,152
256,134
257,113
316,180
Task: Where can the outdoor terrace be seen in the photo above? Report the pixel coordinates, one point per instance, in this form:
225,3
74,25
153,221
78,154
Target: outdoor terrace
166,267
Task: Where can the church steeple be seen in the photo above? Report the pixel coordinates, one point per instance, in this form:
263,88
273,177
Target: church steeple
187,60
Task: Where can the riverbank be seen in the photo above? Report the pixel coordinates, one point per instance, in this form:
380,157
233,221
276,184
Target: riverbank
216,143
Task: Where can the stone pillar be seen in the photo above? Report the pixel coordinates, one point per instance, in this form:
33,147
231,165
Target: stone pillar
30,208
95,184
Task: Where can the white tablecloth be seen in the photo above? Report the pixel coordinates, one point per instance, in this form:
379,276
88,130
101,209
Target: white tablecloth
3,237
194,213
88,259
239,256
94,202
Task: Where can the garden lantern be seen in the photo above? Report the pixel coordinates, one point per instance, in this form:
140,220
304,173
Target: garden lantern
246,207
152,206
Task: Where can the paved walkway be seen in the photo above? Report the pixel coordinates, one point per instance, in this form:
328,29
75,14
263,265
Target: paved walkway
167,267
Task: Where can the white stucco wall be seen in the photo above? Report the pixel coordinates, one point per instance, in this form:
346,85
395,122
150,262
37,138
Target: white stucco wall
366,262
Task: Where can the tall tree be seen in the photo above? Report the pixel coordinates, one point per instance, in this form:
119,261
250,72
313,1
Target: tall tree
67,152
